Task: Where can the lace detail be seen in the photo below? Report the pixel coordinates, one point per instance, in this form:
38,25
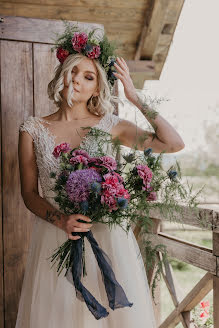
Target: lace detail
44,143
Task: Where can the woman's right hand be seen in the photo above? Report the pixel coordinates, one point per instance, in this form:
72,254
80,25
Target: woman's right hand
71,224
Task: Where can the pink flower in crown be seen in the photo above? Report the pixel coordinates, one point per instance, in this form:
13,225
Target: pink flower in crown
94,53
108,162
62,148
62,54
80,152
79,159
152,196
79,41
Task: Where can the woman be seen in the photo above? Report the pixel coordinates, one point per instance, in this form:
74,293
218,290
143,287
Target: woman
81,92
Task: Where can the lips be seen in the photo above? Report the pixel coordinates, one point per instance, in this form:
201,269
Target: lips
76,90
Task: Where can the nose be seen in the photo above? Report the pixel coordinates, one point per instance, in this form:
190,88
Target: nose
76,78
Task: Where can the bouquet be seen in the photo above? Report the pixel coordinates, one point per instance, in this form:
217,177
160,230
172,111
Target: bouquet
114,194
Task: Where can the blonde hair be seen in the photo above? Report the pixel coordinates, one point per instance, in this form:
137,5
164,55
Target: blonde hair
100,104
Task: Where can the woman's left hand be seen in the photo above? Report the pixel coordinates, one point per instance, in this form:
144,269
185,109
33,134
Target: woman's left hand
123,75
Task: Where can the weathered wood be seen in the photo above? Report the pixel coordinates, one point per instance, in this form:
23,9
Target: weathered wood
1,218
145,28
201,257
35,29
140,65
215,238
168,278
44,62
195,296
16,80
198,217
170,19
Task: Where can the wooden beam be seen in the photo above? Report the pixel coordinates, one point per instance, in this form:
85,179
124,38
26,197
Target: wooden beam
215,238
143,35
140,65
35,29
199,217
186,252
196,295
168,278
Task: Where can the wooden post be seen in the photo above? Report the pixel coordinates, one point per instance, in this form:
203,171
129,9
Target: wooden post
216,278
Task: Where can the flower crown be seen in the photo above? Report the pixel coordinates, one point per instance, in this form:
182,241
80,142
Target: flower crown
72,41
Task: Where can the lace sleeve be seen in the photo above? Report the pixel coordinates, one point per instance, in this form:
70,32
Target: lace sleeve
110,121
29,126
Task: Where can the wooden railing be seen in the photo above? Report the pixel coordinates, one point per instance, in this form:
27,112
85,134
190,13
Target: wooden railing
199,256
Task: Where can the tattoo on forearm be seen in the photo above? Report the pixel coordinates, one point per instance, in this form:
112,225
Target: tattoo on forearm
52,216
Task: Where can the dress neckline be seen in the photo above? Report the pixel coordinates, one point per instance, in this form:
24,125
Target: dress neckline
53,136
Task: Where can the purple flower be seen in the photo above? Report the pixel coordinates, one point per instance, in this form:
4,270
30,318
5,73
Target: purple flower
79,183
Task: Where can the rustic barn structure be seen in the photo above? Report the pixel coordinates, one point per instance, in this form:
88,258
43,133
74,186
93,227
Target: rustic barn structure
145,29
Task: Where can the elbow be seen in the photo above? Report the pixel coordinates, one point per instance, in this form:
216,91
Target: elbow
177,147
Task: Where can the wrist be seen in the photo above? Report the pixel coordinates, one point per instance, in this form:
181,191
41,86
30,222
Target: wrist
62,221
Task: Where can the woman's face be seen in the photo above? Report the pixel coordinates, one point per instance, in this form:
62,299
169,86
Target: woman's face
84,80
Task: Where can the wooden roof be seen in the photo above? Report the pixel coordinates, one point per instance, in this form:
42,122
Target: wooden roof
144,28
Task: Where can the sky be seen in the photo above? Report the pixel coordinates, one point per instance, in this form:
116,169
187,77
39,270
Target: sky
190,76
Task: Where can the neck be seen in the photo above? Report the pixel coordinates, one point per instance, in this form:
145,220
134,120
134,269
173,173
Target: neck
79,111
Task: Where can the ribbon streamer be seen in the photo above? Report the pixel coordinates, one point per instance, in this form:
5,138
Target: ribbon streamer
115,293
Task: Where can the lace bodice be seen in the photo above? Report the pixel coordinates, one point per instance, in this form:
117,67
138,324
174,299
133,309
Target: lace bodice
44,144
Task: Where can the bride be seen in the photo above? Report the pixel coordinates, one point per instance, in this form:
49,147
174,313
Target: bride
80,89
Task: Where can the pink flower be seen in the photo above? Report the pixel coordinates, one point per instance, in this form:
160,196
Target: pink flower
204,314
79,41
108,162
94,160
94,53
204,304
62,148
112,189
152,196
146,174
79,159
62,54
80,152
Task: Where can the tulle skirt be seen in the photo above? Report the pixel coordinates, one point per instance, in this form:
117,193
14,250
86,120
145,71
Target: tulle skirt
49,301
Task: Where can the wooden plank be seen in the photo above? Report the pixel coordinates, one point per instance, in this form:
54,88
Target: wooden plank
215,240
145,28
196,295
168,278
130,16
16,80
195,255
200,217
44,63
141,65
164,41
1,225
120,4
216,300
36,30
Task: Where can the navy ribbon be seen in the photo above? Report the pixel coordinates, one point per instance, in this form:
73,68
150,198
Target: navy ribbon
115,293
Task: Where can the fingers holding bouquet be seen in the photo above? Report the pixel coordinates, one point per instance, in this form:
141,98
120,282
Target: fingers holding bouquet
72,224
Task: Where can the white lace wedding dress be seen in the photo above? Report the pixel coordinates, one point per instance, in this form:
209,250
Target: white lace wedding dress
49,301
